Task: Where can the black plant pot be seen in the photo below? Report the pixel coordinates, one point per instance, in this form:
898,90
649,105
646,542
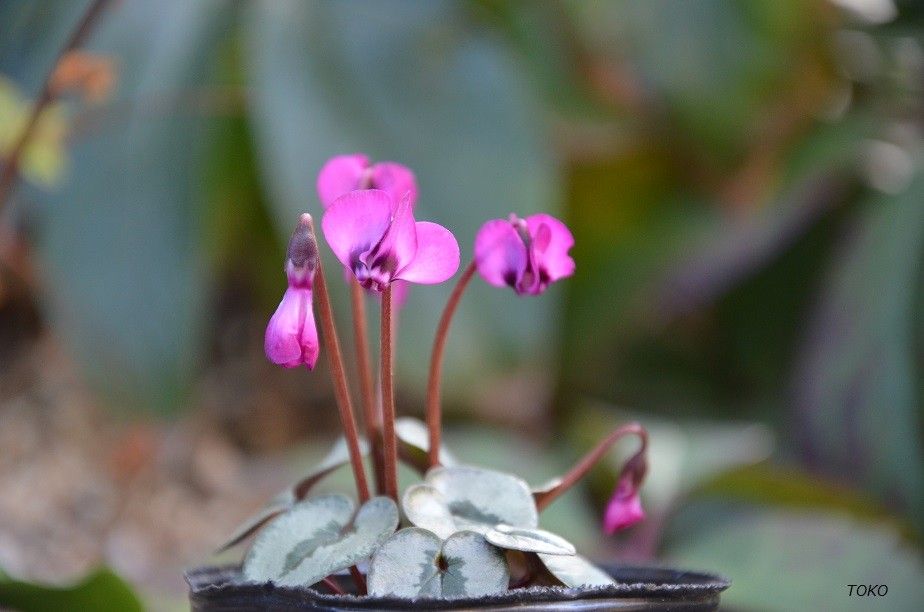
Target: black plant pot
638,588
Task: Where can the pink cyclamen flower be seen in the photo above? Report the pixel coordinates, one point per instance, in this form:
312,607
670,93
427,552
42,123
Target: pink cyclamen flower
291,336
345,173
381,243
525,254
624,508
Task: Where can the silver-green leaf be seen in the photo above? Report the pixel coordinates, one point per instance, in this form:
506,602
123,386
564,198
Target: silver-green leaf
461,498
317,537
575,570
337,456
417,563
529,540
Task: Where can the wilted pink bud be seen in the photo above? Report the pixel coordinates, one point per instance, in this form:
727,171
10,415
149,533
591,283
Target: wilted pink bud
525,254
625,507
291,335
381,243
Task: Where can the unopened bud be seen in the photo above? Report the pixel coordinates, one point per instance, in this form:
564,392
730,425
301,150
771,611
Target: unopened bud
302,254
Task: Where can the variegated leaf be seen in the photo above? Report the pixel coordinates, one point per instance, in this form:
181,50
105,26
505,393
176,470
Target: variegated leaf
337,456
529,540
575,570
317,537
461,498
416,563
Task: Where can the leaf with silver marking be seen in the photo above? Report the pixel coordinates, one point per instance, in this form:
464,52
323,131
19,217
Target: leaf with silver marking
462,498
317,537
416,563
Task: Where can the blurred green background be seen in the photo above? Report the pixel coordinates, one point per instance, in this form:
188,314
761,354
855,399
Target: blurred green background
744,181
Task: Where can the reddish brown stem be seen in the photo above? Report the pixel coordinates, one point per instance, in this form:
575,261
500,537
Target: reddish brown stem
388,399
582,467
372,419
45,97
338,374
359,580
333,586
434,413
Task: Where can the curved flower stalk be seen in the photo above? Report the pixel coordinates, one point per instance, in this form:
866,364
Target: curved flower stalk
624,508
525,254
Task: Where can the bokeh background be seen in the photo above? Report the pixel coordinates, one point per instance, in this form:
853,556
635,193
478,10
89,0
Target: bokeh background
744,181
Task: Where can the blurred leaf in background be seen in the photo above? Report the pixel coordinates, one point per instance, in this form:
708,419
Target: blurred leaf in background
100,591
422,85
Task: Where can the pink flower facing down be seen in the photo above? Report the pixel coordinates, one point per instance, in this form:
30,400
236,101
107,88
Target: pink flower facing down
291,336
525,254
625,507
345,173
381,243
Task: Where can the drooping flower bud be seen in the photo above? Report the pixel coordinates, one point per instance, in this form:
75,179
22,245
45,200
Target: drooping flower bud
291,336
625,507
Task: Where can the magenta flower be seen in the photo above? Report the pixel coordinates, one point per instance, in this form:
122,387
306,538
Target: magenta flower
624,508
291,335
525,254
381,243
345,173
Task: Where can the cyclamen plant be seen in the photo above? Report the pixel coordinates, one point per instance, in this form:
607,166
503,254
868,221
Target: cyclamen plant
467,531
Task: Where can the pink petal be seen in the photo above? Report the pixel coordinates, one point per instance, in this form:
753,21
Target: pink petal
552,240
396,179
356,222
399,292
340,175
437,257
623,510
309,336
282,341
398,244
500,254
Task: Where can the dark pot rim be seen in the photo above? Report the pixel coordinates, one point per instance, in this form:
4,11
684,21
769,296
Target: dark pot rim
223,585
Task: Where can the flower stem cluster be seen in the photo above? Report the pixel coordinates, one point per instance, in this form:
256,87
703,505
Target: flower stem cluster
369,224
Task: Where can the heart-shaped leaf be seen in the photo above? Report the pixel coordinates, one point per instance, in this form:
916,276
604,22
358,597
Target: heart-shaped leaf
575,570
462,498
337,456
529,540
414,444
316,538
416,563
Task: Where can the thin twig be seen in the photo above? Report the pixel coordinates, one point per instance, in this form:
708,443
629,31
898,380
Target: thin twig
46,96
371,415
589,460
434,414
338,374
388,399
